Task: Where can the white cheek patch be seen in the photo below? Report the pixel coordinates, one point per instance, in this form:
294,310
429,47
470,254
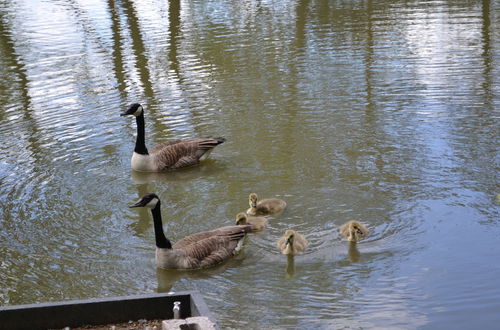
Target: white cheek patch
138,111
152,203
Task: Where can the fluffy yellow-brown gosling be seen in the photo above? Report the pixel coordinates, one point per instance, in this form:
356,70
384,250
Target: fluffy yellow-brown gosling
353,231
268,206
257,223
292,243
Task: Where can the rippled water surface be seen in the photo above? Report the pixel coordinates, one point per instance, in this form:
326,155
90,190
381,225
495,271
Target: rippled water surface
381,111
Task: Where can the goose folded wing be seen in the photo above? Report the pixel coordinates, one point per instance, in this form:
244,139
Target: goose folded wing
208,143
181,153
191,239
167,155
188,146
231,232
210,251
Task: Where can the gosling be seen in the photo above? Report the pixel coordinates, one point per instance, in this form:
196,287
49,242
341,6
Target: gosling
292,243
270,206
353,231
257,223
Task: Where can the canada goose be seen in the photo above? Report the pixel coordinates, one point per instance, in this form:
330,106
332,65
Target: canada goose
195,251
268,206
169,155
292,242
353,231
257,223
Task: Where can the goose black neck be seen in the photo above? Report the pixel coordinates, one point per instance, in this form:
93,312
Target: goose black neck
161,241
140,142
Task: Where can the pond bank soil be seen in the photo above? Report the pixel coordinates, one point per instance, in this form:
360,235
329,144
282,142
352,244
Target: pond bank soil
191,323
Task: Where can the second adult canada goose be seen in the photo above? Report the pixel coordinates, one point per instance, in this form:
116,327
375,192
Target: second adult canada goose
195,251
292,242
268,206
353,231
257,223
169,155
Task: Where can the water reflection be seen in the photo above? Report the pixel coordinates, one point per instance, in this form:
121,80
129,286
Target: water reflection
350,109
353,253
205,168
290,267
174,13
118,46
17,74
139,50
487,55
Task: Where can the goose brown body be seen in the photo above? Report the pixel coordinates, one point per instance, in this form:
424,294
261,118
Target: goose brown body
257,223
200,250
169,155
182,153
269,206
353,231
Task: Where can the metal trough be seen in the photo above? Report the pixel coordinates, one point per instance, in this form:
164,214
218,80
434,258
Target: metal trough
99,311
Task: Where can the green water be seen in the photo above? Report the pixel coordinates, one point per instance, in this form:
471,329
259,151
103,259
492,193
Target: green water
381,111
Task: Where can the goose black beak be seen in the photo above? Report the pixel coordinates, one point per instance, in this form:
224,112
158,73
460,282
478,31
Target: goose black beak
131,109
129,112
139,203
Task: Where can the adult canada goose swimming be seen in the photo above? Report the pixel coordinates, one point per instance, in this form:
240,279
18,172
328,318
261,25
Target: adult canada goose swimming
292,242
353,231
195,251
169,155
257,223
268,206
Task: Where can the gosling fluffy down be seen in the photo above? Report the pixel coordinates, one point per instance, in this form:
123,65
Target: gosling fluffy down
270,206
353,231
257,223
292,243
